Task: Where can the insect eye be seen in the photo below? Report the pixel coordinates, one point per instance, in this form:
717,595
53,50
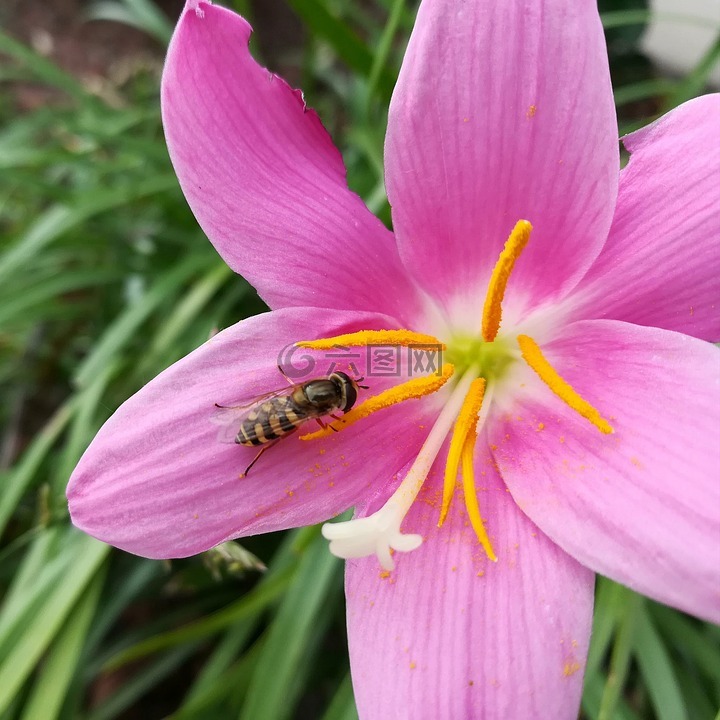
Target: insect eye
350,397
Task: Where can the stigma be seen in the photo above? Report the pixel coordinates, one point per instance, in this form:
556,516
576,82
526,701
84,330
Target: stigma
468,383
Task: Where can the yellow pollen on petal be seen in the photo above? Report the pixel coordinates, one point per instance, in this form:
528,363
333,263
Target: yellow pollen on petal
464,426
471,501
546,372
492,310
373,337
415,388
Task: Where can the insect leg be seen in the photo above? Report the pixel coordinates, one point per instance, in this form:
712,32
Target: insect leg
257,457
324,425
263,449
284,374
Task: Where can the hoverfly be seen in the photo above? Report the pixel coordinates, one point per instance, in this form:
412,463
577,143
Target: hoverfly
277,414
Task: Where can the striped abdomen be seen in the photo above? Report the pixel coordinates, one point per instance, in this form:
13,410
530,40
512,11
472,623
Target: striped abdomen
270,420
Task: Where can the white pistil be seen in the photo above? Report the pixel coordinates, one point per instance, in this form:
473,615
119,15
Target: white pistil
380,533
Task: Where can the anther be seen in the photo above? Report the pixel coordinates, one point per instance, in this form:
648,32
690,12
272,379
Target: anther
402,338
465,424
471,501
492,310
546,372
462,451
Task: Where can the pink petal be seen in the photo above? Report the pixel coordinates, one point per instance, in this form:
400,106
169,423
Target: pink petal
661,265
503,111
264,179
641,506
449,634
156,481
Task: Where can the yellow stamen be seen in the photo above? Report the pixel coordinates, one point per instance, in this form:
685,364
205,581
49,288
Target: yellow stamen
546,372
492,310
471,501
373,337
415,388
464,426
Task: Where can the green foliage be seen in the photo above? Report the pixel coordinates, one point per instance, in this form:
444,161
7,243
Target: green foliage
105,279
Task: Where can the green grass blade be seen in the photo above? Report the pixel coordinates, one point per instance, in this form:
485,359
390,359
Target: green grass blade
622,18
656,667
593,693
139,14
691,639
152,18
257,600
342,706
59,219
205,685
120,593
695,82
49,226
14,306
60,665
82,427
272,585
384,47
27,581
346,44
620,656
133,689
22,475
125,325
273,688
189,307
228,688
698,702
609,601
17,664
213,680
644,90
28,602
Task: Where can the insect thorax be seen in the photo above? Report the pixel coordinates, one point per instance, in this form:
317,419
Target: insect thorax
323,395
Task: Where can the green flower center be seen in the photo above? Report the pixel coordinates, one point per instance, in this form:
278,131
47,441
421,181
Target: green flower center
492,360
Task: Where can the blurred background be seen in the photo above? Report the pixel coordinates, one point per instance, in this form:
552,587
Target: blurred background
105,279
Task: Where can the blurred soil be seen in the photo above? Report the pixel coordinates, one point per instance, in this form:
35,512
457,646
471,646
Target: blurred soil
106,54
95,51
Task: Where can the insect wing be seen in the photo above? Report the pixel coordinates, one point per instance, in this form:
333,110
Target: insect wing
230,417
229,420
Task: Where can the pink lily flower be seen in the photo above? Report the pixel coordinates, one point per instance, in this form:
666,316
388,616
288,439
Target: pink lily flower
579,405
